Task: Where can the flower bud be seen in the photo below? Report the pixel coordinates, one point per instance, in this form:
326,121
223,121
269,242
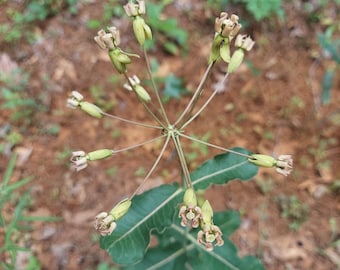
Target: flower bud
207,213
262,160
119,60
99,154
147,31
141,30
91,109
235,60
121,209
142,93
138,29
283,165
215,48
225,51
189,198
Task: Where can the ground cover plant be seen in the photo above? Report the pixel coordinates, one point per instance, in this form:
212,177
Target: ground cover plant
188,231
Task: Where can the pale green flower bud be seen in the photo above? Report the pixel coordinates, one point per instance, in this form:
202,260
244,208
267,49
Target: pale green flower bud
99,154
119,60
207,213
139,90
147,31
190,197
235,60
142,93
215,48
283,165
121,209
225,51
138,29
141,30
262,160
91,109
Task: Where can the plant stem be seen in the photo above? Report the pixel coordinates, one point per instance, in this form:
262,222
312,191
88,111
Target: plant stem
205,104
144,104
182,160
154,86
137,145
196,95
129,121
215,146
153,167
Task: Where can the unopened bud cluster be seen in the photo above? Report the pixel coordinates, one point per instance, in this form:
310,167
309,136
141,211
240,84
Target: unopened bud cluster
141,30
195,216
226,28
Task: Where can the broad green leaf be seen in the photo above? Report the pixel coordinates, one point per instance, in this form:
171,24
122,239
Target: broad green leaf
223,168
156,208
149,211
193,255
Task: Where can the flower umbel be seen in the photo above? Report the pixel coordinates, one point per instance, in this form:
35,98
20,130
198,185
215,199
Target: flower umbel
190,212
140,91
209,232
283,164
225,30
105,222
79,158
141,30
76,100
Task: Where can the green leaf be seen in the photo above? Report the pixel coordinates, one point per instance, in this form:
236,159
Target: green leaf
176,254
327,83
151,210
223,168
156,208
173,88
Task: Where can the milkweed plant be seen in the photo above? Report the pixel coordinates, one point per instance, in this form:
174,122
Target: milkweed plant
190,235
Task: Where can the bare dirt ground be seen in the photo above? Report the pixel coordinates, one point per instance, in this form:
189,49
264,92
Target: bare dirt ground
272,112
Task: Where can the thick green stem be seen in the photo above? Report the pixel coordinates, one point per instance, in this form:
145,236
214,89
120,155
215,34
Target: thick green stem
182,160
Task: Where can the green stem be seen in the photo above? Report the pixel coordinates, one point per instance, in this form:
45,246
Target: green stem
154,87
205,104
144,104
129,121
137,145
182,160
153,167
215,146
196,95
